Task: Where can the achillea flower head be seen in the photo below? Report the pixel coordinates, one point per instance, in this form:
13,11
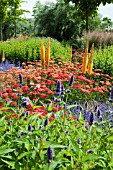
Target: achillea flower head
71,80
29,128
50,154
20,78
58,88
91,118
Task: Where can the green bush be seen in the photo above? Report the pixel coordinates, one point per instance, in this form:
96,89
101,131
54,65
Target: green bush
29,49
103,59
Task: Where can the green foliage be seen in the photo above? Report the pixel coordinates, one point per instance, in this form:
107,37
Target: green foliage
103,59
60,21
24,148
29,49
88,8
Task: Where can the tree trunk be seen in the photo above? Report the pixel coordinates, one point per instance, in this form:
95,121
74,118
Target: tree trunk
86,20
15,30
1,35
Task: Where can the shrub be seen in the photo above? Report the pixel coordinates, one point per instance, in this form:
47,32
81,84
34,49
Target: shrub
29,49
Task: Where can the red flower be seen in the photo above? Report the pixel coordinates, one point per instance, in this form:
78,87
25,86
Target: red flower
14,104
15,97
42,96
74,117
51,118
25,88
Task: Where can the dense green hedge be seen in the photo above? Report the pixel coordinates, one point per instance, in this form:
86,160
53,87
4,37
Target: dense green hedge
29,49
103,59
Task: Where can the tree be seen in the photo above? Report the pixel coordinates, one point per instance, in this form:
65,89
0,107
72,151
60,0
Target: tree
4,6
88,8
57,20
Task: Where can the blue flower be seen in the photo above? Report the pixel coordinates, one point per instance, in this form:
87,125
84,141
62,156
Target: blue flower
29,128
71,80
90,151
50,154
58,88
91,119
111,93
20,78
46,122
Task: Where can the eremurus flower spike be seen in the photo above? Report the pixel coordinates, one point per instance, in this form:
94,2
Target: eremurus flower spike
42,51
85,59
71,52
90,65
48,53
3,56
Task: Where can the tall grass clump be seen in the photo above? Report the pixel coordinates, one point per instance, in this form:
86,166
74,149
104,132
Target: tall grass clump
29,49
100,38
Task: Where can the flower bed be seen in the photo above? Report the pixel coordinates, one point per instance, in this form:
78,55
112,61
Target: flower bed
55,118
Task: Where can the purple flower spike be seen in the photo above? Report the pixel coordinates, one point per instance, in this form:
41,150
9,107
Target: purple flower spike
46,122
111,93
29,128
20,78
58,88
71,80
98,113
49,154
91,118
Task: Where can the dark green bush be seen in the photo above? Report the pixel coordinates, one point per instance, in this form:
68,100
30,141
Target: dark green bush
29,49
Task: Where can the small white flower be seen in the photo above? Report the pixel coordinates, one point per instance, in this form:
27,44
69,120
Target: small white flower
37,86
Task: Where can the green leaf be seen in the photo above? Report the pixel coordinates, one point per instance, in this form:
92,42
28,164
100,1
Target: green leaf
81,118
22,155
2,121
91,157
110,138
10,163
5,151
53,165
74,146
54,145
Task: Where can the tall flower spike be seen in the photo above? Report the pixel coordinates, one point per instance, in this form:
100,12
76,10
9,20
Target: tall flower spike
71,80
20,78
91,118
85,59
3,56
111,93
42,51
50,154
71,52
58,88
48,53
90,65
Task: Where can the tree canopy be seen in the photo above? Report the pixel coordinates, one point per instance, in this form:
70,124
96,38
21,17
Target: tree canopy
87,8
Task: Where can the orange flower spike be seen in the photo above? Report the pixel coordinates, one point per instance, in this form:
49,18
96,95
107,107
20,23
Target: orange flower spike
90,65
3,56
85,59
71,52
42,51
48,53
